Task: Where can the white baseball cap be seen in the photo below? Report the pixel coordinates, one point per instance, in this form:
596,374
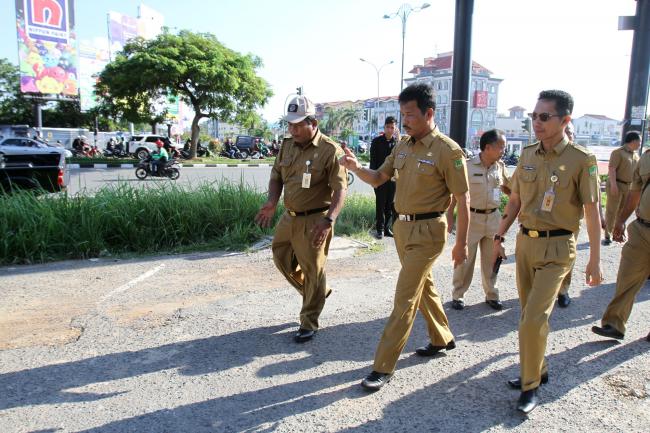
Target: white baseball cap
299,108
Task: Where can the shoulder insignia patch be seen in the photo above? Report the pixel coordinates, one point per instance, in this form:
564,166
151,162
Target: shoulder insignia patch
458,164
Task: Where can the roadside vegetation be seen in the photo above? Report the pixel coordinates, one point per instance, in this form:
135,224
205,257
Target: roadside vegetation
127,220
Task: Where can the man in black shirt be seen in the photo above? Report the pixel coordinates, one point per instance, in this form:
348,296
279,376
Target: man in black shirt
380,148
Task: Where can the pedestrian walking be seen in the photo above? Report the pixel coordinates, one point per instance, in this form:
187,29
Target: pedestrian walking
619,176
634,267
429,168
314,183
554,180
488,179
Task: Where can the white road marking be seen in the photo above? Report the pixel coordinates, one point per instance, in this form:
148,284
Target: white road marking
133,282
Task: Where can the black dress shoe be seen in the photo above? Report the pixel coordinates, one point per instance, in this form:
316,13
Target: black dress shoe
563,300
379,234
304,335
527,401
329,292
495,304
430,349
607,331
607,241
648,337
375,380
516,383
388,233
457,304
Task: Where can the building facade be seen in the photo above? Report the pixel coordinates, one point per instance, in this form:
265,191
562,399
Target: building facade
484,93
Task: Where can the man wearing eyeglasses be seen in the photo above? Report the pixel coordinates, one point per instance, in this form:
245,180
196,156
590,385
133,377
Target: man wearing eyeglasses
314,184
554,181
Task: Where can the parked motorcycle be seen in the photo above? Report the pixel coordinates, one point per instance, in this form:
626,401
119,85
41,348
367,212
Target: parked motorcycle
511,159
230,151
201,150
171,169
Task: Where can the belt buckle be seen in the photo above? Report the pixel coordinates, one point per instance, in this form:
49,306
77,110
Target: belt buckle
403,217
533,233
292,213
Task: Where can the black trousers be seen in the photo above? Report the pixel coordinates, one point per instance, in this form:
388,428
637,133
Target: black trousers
384,197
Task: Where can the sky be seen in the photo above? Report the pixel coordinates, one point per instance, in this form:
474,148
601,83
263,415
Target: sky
573,45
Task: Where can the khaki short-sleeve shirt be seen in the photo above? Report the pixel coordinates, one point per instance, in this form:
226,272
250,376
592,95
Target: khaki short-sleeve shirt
639,181
485,183
320,158
427,172
624,162
569,172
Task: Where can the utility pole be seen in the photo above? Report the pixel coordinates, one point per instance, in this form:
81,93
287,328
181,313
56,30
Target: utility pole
637,87
462,71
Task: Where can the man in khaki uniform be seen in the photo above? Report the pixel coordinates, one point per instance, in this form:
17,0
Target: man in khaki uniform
621,166
488,177
314,183
553,182
634,268
429,167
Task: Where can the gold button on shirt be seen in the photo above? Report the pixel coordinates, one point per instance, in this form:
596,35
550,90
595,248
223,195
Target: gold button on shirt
427,171
327,175
641,180
569,170
624,162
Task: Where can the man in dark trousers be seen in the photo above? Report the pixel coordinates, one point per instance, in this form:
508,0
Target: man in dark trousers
380,148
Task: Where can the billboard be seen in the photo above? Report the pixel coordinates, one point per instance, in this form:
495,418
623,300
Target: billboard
480,99
93,58
121,28
47,47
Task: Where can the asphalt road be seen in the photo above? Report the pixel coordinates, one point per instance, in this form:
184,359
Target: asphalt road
203,343
88,180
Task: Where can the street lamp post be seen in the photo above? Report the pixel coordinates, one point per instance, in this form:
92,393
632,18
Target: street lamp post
403,12
378,70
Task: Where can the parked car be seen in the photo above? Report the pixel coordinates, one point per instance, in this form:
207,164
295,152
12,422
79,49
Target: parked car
143,145
246,144
32,164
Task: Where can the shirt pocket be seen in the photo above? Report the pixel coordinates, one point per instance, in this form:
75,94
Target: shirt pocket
424,168
476,179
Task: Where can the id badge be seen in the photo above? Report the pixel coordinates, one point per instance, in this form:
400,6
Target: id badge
306,180
547,202
496,194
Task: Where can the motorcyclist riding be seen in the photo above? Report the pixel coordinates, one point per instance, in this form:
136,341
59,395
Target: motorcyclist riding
158,157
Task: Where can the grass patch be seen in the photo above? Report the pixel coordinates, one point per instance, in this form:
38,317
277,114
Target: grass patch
125,219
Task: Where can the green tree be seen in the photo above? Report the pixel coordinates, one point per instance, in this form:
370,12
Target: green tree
14,107
214,80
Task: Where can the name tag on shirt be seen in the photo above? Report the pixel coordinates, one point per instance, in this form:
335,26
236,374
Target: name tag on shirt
496,194
306,180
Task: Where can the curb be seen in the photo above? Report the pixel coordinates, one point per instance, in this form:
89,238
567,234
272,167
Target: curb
106,166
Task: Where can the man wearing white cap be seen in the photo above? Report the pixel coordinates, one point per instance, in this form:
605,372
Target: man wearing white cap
314,184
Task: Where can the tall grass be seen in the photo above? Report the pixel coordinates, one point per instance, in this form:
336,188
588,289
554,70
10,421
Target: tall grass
128,219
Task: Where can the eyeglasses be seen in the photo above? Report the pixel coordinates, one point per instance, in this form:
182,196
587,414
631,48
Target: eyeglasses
544,117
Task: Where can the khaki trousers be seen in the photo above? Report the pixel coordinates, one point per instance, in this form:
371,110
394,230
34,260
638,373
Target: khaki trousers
464,273
566,282
418,244
633,272
301,264
615,204
542,264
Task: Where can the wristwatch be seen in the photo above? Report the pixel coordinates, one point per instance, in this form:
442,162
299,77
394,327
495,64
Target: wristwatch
499,238
329,219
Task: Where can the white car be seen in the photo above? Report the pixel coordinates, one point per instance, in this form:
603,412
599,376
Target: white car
143,145
27,163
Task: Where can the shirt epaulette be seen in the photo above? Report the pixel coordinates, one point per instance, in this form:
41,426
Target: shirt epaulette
532,145
581,148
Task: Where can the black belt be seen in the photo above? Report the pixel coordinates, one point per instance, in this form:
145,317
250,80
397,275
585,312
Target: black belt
624,183
544,234
643,222
308,212
484,211
419,216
